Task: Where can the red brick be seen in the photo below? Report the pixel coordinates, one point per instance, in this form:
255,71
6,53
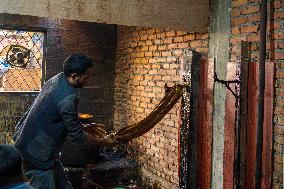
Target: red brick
172,46
168,40
166,66
157,78
166,78
161,60
136,60
170,34
178,53
150,37
277,4
153,72
239,3
181,33
162,48
166,53
280,121
189,37
205,36
141,43
183,45
156,53
161,35
279,110
153,48
274,26
134,44
279,130
235,12
280,84
171,72
235,30
145,48
144,37
280,45
280,74
141,32
249,29
237,39
280,92
238,21
279,55
278,15
254,47
195,44
279,139
140,54
202,50
253,37
171,59
178,39
254,18
148,54
159,30
144,61
277,36
251,9
199,36
141,88
152,60
151,31
149,42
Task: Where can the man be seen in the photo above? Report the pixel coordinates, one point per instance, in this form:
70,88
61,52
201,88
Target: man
11,172
42,131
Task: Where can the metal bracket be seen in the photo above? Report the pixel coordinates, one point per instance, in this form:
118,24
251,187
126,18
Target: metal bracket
227,84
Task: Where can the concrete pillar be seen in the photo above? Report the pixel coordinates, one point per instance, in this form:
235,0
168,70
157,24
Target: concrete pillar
219,50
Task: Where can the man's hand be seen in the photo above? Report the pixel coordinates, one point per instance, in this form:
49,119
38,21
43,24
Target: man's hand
106,141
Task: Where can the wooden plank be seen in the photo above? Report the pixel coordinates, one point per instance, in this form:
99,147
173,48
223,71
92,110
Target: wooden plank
229,130
194,115
268,126
251,126
189,123
205,124
243,113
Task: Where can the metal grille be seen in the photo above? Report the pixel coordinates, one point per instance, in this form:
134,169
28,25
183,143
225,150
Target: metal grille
21,57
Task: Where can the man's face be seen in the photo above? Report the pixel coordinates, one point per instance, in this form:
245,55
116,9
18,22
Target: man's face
81,80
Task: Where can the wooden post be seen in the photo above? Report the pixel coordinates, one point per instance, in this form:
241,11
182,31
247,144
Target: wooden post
189,123
205,123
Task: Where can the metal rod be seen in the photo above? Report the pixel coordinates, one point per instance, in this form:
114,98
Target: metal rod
261,84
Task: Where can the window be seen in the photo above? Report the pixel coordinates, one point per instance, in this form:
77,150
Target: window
21,60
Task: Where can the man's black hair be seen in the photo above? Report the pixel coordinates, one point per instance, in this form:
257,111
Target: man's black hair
76,63
10,164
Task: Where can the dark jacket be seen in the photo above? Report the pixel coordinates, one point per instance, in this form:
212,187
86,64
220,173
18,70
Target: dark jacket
41,132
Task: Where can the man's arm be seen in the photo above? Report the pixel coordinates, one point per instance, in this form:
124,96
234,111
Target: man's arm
68,110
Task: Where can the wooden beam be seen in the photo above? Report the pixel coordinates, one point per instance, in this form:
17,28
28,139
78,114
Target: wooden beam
251,125
229,130
267,158
205,124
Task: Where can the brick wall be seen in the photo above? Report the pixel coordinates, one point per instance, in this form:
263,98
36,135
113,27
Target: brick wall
63,38
245,18
146,60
